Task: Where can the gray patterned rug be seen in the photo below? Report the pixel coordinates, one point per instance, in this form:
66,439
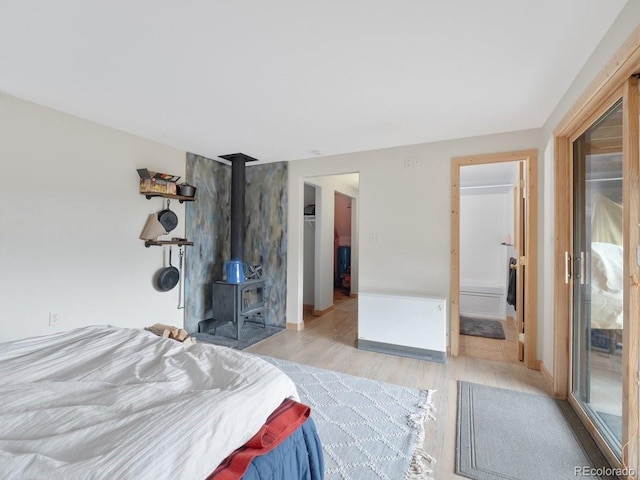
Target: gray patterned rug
369,430
481,327
503,434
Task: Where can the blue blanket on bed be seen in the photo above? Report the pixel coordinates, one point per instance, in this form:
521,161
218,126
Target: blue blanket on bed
299,457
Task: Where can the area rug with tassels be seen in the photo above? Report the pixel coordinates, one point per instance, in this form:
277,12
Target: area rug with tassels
369,430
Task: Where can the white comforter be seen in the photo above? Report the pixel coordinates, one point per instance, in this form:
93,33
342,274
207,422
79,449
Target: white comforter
113,403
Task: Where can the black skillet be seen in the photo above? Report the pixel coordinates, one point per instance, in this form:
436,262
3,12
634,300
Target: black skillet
168,219
168,277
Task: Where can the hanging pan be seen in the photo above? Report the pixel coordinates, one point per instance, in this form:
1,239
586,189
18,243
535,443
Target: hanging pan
168,277
168,218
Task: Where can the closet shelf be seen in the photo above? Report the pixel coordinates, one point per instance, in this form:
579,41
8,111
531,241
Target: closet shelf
310,219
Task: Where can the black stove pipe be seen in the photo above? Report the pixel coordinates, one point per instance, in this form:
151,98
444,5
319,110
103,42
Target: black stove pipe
237,208
238,183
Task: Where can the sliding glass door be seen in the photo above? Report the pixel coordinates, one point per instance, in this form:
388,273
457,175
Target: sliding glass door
597,318
597,262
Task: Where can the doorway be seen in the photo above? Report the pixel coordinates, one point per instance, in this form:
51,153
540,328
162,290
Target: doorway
343,227
525,249
330,241
490,226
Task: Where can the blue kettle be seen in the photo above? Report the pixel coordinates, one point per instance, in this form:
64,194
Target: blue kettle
235,271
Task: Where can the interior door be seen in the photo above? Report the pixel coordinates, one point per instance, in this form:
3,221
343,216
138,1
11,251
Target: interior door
597,288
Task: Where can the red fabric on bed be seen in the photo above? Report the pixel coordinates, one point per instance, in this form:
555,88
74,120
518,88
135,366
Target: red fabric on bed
280,424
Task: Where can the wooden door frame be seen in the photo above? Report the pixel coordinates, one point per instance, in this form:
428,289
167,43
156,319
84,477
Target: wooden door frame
623,65
612,83
520,229
530,159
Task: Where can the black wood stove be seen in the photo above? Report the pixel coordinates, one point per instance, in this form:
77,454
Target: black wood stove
236,303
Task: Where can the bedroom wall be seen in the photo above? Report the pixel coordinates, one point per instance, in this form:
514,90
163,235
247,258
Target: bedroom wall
71,221
404,212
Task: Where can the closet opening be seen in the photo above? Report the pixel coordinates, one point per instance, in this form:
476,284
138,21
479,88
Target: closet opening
330,257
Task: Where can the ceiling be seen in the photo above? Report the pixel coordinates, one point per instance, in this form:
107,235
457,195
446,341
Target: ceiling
487,178
291,79
351,179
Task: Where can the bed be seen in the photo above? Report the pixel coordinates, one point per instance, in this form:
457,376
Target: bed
606,269
606,286
108,402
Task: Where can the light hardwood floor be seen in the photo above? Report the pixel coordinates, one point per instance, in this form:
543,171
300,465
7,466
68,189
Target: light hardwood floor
490,348
330,342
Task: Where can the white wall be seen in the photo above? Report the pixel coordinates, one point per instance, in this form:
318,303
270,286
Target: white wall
484,222
404,213
71,218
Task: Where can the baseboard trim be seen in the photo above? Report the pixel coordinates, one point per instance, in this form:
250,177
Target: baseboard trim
353,295
307,307
546,375
319,313
295,326
401,350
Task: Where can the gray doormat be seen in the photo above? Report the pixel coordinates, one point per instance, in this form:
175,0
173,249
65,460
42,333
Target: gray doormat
481,327
613,423
503,434
250,334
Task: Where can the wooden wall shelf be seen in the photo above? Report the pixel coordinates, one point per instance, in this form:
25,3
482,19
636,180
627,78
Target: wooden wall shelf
180,198
149,243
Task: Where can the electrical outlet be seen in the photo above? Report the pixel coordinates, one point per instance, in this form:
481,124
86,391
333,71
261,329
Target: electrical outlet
54,319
